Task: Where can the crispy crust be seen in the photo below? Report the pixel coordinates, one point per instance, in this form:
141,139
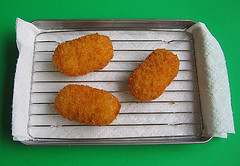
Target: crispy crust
83,55
87,105
150,78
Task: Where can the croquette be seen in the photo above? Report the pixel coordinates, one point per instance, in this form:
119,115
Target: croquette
87,105
83,55
150,79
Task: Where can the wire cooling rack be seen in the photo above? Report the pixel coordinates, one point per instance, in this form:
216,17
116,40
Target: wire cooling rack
174,117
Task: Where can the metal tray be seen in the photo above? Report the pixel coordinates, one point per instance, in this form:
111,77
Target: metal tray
174,118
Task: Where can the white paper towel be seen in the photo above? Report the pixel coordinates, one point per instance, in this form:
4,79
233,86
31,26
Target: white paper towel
213,116
213,83
26,33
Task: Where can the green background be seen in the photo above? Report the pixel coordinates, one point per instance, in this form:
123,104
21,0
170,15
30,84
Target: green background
221,17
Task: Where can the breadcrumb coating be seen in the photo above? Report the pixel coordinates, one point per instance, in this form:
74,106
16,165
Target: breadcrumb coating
150,79
83,55
87,105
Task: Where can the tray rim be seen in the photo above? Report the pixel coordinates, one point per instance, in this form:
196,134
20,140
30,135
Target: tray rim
121,21
114,19
117,142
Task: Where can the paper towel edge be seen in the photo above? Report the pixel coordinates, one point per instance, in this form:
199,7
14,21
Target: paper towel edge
19,129
214,133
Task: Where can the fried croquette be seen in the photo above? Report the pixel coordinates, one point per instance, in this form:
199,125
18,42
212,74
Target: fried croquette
87,105
83,55
150,79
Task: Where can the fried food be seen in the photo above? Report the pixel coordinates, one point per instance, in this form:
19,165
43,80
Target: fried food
87,105
83,55
150,78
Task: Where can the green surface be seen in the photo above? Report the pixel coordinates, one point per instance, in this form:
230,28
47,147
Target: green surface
221,17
